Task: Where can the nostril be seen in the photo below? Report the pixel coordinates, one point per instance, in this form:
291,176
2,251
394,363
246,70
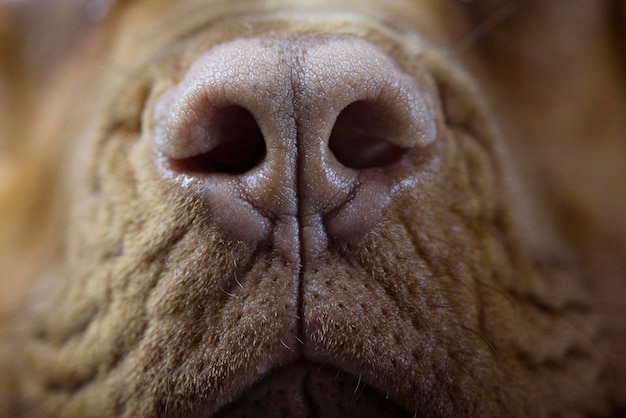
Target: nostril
358,139
239,145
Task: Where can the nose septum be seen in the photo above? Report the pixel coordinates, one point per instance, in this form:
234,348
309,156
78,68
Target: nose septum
308,129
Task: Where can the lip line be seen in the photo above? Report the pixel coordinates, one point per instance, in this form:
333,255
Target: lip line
305,368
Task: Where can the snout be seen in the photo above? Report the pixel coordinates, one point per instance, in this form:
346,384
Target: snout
297,219
297,146
293,209
299,139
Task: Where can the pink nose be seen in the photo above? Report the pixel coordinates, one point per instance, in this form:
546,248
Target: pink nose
304,134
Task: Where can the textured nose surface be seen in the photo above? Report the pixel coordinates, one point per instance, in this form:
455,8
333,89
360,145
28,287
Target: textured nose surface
300,134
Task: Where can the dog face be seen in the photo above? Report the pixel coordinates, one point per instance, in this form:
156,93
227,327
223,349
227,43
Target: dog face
328,208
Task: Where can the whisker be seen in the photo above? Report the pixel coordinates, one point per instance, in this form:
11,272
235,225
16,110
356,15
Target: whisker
286,346
358,383
486,340
232,295
485,27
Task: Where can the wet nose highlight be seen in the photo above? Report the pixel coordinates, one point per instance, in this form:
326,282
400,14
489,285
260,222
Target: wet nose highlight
265,128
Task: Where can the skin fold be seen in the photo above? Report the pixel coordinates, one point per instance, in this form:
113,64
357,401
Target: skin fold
312,208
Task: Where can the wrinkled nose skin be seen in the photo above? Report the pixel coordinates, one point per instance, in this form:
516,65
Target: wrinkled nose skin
299,141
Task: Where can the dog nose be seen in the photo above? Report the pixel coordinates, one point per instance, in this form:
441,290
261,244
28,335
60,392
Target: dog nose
303,133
